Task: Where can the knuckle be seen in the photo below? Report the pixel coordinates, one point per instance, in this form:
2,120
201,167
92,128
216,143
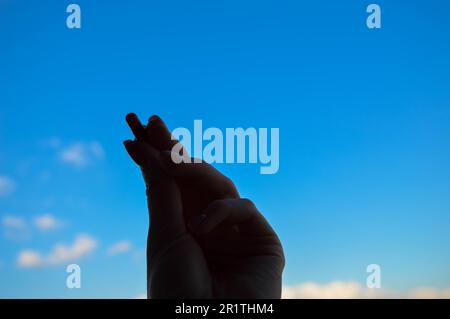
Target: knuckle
249,204
228,186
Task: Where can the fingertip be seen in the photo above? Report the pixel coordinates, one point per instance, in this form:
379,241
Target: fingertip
159,134
130,117
154,118
136,126
133,120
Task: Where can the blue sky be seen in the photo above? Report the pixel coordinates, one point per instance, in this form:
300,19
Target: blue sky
363,116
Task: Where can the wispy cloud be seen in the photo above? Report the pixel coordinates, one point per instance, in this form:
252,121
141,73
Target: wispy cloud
14,222
81,154
15,227
120,247
19,228
82,246
7,186
354,290
52,142
46,222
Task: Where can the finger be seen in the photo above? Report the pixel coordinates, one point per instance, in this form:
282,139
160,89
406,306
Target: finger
203,173
233,212
158,135
164,201
156,132
146,159
136,126
132,151
137,158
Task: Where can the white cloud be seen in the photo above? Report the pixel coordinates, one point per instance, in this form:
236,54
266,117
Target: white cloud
430,293
81,154
333,290
7,186
354,290
29,259
119,248
82,246
60,254
46,222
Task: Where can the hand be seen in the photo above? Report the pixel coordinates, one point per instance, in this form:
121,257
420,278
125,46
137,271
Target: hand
204,241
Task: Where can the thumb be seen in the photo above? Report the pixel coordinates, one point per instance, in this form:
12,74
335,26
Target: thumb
163,197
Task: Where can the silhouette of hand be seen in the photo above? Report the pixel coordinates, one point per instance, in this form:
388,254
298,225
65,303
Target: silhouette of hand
204,241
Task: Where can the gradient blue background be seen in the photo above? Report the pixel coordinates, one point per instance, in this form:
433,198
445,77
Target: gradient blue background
363,115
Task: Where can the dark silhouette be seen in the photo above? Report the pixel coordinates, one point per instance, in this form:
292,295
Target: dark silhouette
204,241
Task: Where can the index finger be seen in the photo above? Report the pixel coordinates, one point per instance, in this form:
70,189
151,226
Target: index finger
136,126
